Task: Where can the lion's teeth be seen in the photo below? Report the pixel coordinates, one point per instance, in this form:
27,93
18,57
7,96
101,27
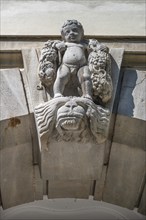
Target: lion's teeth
69,123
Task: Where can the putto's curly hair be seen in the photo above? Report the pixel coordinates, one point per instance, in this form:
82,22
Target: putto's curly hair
71,22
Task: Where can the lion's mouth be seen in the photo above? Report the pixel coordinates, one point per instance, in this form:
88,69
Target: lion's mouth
69,123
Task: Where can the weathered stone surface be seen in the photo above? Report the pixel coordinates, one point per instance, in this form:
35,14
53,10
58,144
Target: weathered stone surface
16,175
27,91
10,59
16,147
47,118
15,131
131,118
132,105
134,47
130,131
45,187
99,187
38,184
72,119
13,101
33,96
142,206
68,189
72,161
125,174
14,111
69,127
116,62
30,60
133,95
127,156
75,121
34,139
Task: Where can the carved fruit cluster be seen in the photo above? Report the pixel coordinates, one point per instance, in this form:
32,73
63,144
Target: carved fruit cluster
48,63
100,68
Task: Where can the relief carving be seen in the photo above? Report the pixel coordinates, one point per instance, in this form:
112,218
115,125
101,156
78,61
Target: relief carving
72,119
100,68
79,72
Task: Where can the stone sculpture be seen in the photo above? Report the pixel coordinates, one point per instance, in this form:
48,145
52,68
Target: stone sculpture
72,119
79,72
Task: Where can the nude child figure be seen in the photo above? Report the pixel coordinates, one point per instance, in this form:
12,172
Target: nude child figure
74,59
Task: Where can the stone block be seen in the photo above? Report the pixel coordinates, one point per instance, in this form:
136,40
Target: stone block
33,95
13,102
99,186
116,74
69,189
133,96
131,118
116,62
75,158
38,184
127,157
31,62
142,205
15,145
16,175
72,161
125,175
130,131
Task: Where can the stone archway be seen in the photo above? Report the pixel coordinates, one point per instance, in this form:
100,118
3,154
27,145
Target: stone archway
70,209
18,185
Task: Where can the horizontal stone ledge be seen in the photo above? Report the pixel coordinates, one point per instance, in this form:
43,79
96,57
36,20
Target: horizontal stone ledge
13,59
128,38
129,43
134,59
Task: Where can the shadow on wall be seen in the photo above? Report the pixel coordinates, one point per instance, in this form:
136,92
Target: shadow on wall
126,102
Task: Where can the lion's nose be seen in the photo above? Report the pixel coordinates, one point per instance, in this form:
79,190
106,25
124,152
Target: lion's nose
71,104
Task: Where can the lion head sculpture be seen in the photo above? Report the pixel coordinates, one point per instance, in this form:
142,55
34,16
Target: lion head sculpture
72,119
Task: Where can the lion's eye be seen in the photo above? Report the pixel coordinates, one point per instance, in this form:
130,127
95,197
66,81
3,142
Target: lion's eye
68,106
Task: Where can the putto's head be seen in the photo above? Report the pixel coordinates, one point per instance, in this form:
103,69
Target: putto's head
72,31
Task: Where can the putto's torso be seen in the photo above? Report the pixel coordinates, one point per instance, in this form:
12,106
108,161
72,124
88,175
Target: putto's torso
74,54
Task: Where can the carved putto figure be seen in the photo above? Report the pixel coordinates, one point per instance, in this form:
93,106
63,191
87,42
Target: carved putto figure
86,63
78,71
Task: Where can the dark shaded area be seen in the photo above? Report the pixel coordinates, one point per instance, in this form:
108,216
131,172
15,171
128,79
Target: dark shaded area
126,102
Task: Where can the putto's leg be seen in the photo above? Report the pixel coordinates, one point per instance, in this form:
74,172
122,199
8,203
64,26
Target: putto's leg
84,77
63,75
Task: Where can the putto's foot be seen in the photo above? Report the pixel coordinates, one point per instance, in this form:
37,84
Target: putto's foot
57,95
87,96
